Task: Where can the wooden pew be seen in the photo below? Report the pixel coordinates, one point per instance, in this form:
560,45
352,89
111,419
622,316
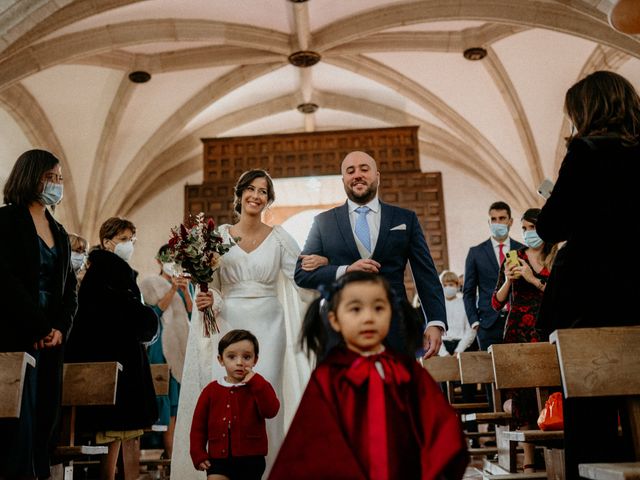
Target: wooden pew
13,368
84,384
160,375
446,369
603,362
521,366
476,367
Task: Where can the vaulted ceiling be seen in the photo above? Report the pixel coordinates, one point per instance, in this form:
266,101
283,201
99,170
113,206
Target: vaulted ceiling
221,68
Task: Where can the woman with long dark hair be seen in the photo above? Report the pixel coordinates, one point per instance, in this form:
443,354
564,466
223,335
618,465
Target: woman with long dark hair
593,207
38,289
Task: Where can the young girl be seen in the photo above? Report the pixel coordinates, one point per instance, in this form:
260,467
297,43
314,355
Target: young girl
368,413
228,434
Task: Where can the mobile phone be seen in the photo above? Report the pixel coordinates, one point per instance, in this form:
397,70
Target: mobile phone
545,188
512,258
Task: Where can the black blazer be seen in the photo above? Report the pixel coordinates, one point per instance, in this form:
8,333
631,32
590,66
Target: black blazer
111,325
480,277
22,321
400,240
595,278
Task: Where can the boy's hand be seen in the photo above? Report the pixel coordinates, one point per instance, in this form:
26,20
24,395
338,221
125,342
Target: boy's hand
249,375
204,465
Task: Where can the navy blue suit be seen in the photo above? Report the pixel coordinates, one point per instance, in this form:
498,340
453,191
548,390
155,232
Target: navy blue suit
480,278
331,236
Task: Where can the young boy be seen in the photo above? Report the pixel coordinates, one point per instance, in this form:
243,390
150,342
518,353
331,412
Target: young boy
228,435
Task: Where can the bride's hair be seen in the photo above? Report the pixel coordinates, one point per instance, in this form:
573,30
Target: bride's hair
244,181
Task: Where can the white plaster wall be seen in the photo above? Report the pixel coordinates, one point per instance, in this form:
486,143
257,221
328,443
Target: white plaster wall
13,143
154,221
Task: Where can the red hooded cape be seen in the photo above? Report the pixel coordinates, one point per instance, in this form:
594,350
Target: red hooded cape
322,440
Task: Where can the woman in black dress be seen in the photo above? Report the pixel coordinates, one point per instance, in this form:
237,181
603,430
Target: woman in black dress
38,291
593,206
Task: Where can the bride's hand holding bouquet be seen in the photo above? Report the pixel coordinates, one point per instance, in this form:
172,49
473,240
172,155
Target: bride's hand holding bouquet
197,246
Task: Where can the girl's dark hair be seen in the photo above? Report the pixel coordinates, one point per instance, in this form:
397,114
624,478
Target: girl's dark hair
314,337
550,249
235,336
23,185
244,181
604,103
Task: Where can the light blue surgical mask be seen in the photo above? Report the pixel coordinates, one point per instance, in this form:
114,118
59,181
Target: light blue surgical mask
532,239
77,261
51,193
499,230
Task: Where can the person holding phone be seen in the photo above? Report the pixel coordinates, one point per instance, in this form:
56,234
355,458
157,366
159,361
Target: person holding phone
521,283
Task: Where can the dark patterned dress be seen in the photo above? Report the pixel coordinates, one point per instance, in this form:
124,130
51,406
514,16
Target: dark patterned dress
523,304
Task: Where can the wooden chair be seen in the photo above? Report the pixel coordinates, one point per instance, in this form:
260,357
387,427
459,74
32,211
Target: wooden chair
447,370
521,366
84,384
13,368
604,362
476,367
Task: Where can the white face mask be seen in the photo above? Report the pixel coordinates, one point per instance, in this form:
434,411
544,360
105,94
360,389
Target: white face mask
124,250
169,268
77,261
450,292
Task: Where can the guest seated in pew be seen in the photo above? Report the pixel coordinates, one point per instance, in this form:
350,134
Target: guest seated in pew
112,325
521,286
38,290
594,284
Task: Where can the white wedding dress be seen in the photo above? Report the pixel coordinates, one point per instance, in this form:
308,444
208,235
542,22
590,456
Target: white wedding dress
259,295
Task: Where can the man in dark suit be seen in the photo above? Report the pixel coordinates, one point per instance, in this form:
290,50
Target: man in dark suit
368,235
481,275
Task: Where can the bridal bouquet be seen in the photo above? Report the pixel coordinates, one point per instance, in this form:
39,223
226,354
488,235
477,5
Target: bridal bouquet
197,246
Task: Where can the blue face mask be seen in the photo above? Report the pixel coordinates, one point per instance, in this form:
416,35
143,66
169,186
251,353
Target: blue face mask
532,239
51,193
499,230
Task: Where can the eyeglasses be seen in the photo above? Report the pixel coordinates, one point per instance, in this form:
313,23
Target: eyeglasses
125,238
53,177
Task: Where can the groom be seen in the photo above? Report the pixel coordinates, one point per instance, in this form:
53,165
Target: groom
368,235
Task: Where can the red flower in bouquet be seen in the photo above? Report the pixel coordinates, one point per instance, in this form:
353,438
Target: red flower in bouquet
197,246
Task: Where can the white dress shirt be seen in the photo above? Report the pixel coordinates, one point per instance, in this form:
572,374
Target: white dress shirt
496,248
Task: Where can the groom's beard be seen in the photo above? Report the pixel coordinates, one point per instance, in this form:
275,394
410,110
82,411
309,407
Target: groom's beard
365,197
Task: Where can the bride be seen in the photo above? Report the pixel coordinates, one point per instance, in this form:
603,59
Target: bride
254,290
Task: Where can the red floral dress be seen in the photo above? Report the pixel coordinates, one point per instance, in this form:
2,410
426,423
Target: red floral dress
523,304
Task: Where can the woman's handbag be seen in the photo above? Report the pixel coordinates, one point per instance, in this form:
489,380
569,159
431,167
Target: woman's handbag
551,417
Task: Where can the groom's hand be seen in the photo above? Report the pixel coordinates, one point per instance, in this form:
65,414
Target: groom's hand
432,341
364,265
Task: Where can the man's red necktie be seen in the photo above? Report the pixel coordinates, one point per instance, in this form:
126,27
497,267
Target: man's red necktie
501,253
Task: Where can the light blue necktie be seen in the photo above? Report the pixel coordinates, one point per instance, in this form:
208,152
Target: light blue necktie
362,227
